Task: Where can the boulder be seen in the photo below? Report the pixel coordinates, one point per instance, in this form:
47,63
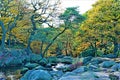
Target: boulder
35,58
39,68
13,61
66,60
36,75
84,76
52,59
24,70
111,56
116,67
2,76
56,74
43,62
113,77
96,60
80,69
102,75
94,67
31,65
117,73
107,64
86,60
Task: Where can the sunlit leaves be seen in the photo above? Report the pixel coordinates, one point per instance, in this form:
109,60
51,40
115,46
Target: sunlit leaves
103,22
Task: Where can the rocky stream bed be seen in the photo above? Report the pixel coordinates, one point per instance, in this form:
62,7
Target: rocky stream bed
33,67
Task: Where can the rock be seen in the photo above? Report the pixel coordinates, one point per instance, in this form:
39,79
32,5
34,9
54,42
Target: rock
15,53
66,60
117,60
94,67
31,65
107,64
116,67
39,68
52,60
36,75
43,62
80,69
102,75
60,56
24,70
2,76
71,78
13,61
84,76
11,77
96,60
73,66
35,58
86,60
117,73
113,77
48,65
110,56
56,74
69,74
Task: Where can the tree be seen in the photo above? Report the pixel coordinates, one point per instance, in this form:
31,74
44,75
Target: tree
43,13
102,24
9,15
72,17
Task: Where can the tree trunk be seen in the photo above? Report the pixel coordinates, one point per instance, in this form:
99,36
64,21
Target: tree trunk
3,36
52,41
115,47
41,47
32,33
3,40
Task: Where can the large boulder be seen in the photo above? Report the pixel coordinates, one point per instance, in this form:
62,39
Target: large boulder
13,61
107,64
56,74
36,75
116,67
84,76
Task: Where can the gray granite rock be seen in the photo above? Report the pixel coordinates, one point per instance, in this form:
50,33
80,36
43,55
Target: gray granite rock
36,75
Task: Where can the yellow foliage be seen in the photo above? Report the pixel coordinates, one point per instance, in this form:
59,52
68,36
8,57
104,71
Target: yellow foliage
82,47
35,46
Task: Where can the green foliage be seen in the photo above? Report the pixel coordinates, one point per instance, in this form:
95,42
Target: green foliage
72,18
70,13
102,24
44,34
